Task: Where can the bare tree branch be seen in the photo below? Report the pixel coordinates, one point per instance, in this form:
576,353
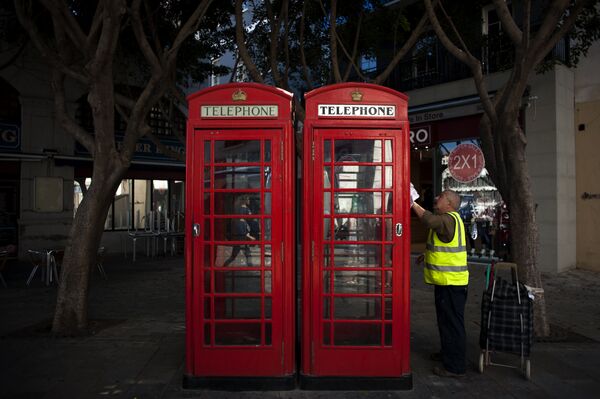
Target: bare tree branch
305,69
412,40
142,39
508,23
473,63
109,36
241,44
335,66
190,26
354,48
72,127
274,22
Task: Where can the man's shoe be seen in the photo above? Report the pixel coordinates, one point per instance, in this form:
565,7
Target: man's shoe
442,372
436,357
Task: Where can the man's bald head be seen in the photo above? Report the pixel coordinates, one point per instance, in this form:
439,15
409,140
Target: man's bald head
447,201
453,199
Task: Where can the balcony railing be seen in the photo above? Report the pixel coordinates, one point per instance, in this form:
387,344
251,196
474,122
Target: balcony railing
436,65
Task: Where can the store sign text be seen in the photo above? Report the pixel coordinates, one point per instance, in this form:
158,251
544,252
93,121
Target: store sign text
9,136
420,136
357,111
239,111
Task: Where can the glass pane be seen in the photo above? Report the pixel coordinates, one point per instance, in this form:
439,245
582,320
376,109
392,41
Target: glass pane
122,204
207,203
237,151
357,282
177,193
268,334
389,203
141,206
206,177
360,255
326,334
267,150
207,289
348,202
356,334
267,229
267,282
207,312
245,177
207,334
388,229
235,229
267,256
388,151
326,282
358,229
363,308
237,203
237,308
351,176
268,308
237,333
326,308
388,309
207,151
388,335
387,255
267,177
267,210
206,229
207,258
389,177
358,151
237,281
327,203
327,229
327,255
237,255
327,151
327,177
389,282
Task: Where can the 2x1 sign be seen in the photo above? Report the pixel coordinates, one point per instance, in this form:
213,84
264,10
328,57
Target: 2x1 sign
465,162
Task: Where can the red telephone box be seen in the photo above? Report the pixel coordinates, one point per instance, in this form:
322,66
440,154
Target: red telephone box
240,238
355,332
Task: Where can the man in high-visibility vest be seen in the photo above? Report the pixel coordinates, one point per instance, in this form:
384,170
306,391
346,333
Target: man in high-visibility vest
445,267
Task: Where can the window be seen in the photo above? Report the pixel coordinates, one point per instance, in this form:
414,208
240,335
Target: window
138,203
368,64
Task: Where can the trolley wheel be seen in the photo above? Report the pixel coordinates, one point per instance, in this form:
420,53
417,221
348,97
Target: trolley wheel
481,362
527,370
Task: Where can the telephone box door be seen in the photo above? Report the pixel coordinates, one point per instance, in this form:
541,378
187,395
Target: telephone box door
356,269
240,243
240,278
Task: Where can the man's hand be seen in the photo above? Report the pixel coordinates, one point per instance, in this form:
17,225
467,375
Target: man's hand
413,194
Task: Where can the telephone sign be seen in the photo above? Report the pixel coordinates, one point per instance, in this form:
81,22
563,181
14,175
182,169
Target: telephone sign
465,162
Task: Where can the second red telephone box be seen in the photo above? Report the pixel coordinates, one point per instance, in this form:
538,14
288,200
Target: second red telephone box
240,238
356,241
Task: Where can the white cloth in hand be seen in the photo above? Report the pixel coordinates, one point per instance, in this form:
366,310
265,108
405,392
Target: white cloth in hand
413,194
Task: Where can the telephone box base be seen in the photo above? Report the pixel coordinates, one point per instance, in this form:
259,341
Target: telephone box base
286,383
356,383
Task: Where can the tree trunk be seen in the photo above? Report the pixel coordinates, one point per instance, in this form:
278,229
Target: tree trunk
524,228
70,317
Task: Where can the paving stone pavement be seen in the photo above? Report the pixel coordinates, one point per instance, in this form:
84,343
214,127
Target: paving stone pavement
140,353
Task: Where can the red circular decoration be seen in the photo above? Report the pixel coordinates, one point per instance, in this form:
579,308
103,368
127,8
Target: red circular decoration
465,162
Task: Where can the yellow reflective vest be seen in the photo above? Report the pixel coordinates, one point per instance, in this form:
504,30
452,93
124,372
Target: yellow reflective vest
446,263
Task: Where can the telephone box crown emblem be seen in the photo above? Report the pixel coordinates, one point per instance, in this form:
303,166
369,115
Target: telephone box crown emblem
356,95
239,95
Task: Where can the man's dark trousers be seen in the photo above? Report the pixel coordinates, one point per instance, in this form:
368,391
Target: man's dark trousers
450,309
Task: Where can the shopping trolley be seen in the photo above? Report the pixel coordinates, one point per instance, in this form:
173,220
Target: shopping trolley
506,319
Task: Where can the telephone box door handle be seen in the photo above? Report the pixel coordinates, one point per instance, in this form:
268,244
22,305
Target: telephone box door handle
399,229
196,230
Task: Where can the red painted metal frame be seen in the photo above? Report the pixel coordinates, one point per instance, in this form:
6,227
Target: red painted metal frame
241,361
359,361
